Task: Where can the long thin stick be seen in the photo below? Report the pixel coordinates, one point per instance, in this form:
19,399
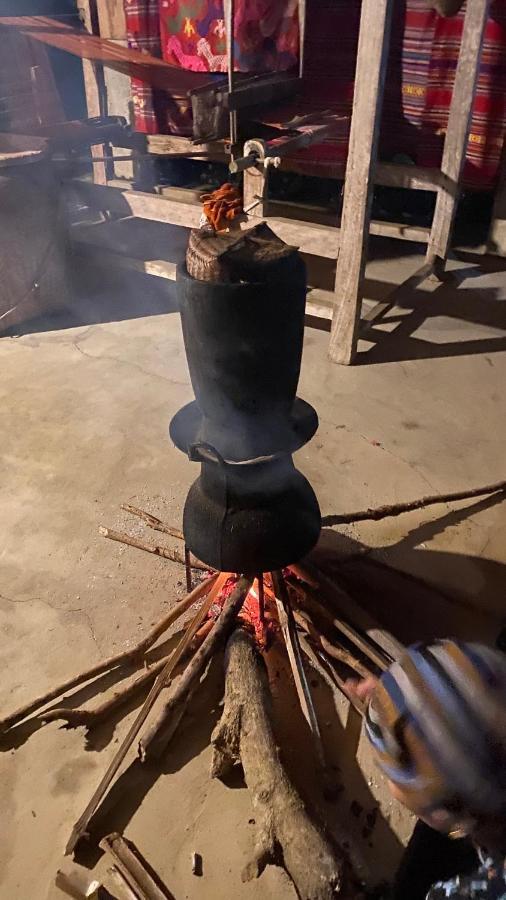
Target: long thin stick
82,823
133,869
229,29
396,509
291,637
114,661
304,620
173,555
153,521
332,680
357,637
188,568
90,718
161,729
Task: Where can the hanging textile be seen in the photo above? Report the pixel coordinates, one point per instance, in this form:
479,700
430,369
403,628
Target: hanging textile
266,35
155,112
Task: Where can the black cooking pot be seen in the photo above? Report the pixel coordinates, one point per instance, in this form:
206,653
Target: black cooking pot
243,344
249,517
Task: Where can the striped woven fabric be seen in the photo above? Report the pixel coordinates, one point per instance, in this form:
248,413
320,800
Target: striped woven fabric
155,112
421,73
437,723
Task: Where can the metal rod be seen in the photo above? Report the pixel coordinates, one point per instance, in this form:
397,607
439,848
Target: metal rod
302,35
229,29
261,598
201,154
293,647
187,564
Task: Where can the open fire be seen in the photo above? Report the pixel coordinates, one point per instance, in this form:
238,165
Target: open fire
247,519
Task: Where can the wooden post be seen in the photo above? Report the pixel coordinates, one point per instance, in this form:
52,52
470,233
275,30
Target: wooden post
370,72
111,19
496,241
94,86
457,134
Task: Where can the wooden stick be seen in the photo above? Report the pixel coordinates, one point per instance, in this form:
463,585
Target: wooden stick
158,735
153,521
338,653
396,509
126,656
81,825
137,875
261,598
357,637
165,552
90,718
188,570
376,642
291,637
303,575
333,680
282,824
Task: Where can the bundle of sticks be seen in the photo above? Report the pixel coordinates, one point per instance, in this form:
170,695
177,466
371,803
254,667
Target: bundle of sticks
245,615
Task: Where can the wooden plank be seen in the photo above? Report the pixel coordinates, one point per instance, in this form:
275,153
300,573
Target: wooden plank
413,178
316,239
93,86
457,135
160,144
374,39
89,245
100,256
111,19
119,100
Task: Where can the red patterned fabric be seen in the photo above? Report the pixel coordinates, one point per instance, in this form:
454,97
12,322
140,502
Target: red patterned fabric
155,112
429,61
422,64
266,35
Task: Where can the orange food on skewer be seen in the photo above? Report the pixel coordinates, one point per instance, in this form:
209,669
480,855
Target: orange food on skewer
222,206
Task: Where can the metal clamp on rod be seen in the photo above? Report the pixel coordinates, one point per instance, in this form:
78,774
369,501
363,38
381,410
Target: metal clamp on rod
243,162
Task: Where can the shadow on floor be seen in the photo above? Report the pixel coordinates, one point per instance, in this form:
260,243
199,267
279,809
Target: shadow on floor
101,295
420,322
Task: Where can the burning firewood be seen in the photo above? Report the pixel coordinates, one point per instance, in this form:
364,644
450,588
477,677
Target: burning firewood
284,828
156,738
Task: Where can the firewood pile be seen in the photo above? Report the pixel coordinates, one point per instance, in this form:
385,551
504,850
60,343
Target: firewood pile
244,617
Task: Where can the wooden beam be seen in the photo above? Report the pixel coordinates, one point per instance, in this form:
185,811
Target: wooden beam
413,178
111,19
496,241
94,85
374,39
317,306
457,135
311,238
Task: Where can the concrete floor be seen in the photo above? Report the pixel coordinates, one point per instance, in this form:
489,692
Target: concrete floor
86,400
